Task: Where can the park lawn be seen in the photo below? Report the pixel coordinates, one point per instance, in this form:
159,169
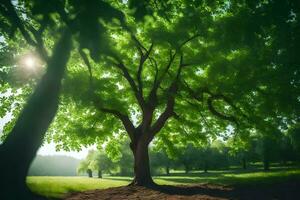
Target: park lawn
57,186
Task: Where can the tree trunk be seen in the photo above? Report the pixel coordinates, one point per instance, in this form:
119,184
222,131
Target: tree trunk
142,175
244,163
205,167
168,170
99,173
266,164
186,168
20,147
90,173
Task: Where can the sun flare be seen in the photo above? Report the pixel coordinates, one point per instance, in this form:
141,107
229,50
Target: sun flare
29,62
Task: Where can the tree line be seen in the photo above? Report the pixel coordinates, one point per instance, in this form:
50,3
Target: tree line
258,153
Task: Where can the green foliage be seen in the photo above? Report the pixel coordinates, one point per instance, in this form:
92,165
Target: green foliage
96,161
294,135
238,64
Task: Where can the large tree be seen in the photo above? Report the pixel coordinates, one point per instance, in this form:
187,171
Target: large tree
20,146
182,69
188,71
48,28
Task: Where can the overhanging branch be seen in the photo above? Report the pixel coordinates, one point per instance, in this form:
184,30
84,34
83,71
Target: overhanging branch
157,82
198,95
88,64
132,84
143,58
169,110
153,93
217,113
188,40
7,9
124,118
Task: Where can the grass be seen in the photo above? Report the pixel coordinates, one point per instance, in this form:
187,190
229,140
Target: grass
56,186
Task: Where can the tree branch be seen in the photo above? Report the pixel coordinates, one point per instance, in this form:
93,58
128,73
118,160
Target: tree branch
169,110
154,64
215,112
139,45
210,100
132,84
7,9
188,40
143,58
88,64
129,127
153,93
201,114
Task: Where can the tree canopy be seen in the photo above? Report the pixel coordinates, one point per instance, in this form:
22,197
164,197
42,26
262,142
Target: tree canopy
175,71
246,77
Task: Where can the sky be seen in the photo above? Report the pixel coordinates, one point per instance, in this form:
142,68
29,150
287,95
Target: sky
49,149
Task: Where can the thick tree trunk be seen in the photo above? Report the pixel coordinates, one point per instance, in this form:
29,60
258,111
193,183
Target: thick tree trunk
142,175
21,145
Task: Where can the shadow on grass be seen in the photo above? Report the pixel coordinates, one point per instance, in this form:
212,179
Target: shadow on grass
287,190
204,189
242,184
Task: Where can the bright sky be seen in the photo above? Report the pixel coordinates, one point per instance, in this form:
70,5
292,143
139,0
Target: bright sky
49,149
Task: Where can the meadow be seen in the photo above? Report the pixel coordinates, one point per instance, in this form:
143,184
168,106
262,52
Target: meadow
59,186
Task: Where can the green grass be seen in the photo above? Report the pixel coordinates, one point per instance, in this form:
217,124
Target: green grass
60,186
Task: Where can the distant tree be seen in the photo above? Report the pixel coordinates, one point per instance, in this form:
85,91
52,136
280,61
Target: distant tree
268,146
159,159
125,162
96,161
243,149
294,135
286,150
84,167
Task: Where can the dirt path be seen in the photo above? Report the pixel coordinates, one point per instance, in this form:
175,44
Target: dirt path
289,191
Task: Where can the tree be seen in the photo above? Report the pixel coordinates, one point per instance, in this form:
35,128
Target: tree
125,161
186,76
97,161
294,134
244,149
160,159
38,20
84,167
27,134
188,157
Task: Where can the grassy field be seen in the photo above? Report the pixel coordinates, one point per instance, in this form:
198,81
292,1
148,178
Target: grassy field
56,186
